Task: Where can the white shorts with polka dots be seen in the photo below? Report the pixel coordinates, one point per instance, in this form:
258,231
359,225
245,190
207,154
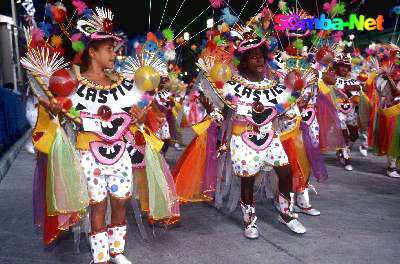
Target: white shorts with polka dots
102,180
248,162
349,118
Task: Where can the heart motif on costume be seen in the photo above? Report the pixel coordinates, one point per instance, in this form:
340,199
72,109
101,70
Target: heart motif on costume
136,154
308,115
258,144
107,154
345,107
114,128
263,118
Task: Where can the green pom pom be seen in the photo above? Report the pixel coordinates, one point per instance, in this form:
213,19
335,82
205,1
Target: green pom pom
292,100
78,46
356,60
168,34
73,112
339,9
219,41
298,44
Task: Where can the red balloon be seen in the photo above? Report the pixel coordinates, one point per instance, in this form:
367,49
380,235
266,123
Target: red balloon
63,82
104,112
294,80
291,50
324,55
65,102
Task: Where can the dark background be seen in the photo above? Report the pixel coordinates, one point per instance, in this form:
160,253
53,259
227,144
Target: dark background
132,15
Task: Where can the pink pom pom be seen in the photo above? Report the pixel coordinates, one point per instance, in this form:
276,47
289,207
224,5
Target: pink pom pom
328,7
369,51
37,34
216,3
337,36
79,6
169,45
76,37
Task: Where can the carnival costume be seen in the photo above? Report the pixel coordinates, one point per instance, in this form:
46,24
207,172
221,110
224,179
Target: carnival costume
383,134
84,151
346,95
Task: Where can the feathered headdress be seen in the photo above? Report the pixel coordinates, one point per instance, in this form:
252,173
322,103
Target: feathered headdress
99,25
248,38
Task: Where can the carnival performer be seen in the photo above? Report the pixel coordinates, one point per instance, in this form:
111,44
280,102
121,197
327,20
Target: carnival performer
305,155
107,113
384,130
346,90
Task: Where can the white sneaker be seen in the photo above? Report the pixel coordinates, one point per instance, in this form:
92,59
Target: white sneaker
308,211
177,146
120,259
30,148
249,219
348,167
293,225
363,151
251,231
392,173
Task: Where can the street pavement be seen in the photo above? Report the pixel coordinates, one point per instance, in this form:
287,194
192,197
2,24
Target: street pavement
360,223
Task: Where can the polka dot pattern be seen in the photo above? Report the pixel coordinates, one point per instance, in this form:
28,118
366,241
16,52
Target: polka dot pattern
117,239
248,162
103,179
99,244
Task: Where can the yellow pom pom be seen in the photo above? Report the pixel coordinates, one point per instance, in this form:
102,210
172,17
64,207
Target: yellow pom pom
56,41
224,28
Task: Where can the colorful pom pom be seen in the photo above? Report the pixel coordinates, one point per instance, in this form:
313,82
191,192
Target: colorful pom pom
37,35
339,9
298,44
59,12
168,34
56,41
78,46
228,18
46,28
216,3
79,6
76,37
